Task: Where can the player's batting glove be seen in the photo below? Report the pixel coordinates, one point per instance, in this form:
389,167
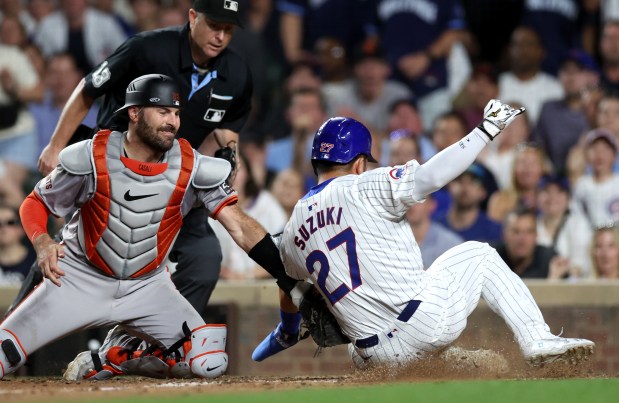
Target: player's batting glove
497,116
280,339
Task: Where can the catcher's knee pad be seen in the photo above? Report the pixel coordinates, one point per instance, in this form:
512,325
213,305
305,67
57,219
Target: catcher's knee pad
12,355
205,353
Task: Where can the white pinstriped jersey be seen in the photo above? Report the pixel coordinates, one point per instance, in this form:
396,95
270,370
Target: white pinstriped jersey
350,236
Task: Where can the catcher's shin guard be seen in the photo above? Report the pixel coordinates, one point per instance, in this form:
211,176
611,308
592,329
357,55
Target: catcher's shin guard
12,356
205,352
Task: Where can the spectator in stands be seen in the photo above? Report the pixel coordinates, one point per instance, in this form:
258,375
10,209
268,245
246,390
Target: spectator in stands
19,84
606,117
332,60
12,33
529,166
420,60
303,22
519,248
86,33
499,155
368,96
448,129
15,9
288,188
146,13
482,86
39,9
605,252
263,207
562,227
525,82
403,115
16,256
609,53
563,121
432,237
62,76
171,16
305,113
403,147
598,194
465,216
561,26
109,7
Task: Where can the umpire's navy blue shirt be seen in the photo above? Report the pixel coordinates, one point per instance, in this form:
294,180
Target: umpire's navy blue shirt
223,103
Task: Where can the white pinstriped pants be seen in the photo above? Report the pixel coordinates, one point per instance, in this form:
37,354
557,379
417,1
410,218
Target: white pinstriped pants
457,279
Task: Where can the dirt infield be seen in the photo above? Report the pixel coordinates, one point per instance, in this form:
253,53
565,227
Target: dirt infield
455,364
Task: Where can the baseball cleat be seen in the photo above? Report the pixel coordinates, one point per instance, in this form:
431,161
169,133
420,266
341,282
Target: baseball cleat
79,367
276,342
545,351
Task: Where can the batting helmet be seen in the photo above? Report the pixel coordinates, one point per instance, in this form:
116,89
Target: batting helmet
152,90
340,140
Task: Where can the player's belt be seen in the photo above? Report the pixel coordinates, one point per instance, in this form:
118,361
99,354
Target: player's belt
404,316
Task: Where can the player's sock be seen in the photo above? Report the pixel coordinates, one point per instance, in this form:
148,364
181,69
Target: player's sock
285,335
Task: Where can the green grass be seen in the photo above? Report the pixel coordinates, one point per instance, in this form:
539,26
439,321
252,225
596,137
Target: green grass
529,391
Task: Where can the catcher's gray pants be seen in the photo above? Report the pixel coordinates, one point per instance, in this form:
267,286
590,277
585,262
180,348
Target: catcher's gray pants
150,308
456,281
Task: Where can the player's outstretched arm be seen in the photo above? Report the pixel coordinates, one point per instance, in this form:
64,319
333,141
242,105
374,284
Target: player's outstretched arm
253,239
455,159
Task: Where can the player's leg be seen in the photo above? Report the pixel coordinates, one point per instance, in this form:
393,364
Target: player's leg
476,270
51,312
198,256
181,344
33,278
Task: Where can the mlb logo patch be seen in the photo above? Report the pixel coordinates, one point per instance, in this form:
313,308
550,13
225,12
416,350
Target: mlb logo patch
313,206
231,5
214,115
176,98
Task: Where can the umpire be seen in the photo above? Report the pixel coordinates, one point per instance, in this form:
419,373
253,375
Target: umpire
216,90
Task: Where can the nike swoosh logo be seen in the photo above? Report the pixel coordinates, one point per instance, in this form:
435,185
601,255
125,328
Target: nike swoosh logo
129,197
210,369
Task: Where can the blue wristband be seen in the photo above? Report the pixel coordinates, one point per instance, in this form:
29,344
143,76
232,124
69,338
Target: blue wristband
290,322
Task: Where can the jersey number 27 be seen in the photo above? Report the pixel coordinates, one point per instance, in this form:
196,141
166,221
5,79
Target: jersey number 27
346,237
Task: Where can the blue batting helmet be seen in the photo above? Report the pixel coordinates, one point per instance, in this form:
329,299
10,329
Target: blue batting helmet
340,140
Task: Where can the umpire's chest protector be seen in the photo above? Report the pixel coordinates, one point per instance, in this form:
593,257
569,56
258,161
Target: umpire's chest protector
129,225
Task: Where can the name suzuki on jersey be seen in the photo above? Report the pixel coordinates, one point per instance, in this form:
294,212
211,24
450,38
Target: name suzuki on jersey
322,218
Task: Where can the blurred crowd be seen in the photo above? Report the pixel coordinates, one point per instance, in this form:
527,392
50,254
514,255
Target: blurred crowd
418,73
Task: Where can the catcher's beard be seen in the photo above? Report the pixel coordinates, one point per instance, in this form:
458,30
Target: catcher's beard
149,134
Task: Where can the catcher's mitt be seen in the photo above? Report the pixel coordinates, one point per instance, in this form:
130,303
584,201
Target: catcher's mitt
319,322
228,154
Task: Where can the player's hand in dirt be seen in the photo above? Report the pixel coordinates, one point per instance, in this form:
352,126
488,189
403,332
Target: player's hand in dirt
48,253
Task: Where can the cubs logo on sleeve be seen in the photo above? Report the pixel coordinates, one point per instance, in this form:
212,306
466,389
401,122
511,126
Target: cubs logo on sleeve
397,172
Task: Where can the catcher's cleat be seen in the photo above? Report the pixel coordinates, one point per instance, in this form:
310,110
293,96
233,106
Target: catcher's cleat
276,342
558,349
84,366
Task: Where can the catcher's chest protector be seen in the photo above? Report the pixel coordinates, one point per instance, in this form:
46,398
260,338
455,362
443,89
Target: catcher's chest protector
129,225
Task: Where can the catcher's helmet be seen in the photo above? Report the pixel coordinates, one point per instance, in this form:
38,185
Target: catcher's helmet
152,90
340,140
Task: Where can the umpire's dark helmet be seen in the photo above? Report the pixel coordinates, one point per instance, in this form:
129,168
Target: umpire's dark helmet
340,140
152,90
